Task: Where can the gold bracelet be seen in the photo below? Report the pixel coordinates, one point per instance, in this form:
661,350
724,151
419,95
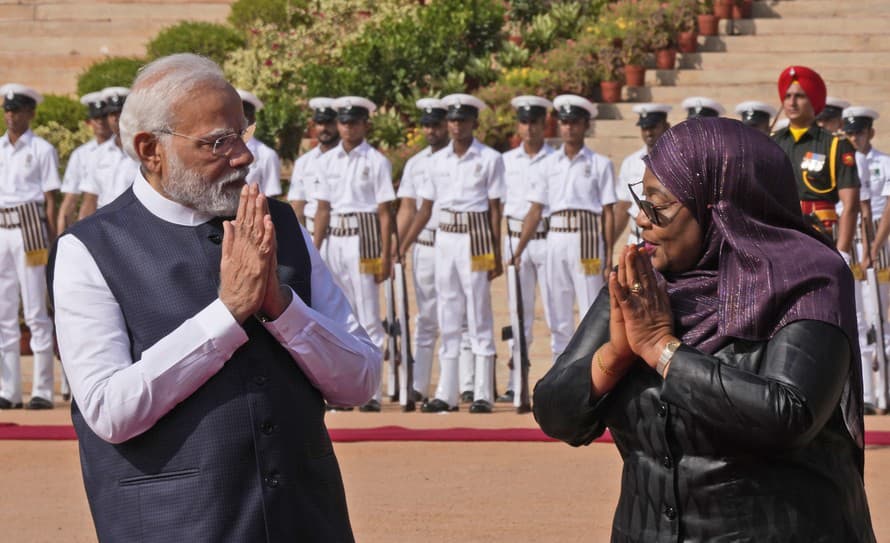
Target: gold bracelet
599,363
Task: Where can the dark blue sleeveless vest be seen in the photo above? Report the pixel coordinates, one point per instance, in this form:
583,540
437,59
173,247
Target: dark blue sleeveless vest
245,458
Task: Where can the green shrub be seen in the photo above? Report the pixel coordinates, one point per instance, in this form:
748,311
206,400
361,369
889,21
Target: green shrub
63,139
281,13
214,41
63,111
280,125
112,72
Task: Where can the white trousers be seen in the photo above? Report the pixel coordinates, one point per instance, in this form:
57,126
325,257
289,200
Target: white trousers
568,284
532,272
874,383
426,322
29,282
360,289
463,297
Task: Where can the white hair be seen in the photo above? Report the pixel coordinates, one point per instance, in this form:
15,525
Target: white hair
159,87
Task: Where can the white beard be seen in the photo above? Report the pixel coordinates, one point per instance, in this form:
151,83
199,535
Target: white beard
218,197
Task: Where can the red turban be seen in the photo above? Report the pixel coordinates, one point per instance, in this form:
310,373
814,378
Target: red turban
810,81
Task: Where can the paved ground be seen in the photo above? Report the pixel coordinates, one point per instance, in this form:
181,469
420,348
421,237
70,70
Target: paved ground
431,492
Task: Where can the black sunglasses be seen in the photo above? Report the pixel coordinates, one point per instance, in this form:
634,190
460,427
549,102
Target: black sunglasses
649,209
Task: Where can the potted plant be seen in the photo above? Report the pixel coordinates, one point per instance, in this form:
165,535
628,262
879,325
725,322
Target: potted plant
609,67
741,9
632,54
707,21
662,30
723,9
685,12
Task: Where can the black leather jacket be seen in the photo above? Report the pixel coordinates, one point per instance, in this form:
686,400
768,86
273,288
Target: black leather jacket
746,445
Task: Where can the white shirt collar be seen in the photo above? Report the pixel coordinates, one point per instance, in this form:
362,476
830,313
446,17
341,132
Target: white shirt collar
474,148
24,139
361,148
583,153
165,209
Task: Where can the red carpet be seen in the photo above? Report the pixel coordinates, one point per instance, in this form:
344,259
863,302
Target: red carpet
10,430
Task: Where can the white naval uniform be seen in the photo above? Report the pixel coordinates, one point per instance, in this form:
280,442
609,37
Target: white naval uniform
265,170
114,173
423,260
460,185
305,180
631,171
519,168
80,165
586,183
28,169
355,182
875,383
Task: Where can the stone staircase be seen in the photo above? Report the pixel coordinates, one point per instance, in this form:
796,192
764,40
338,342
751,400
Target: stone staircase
47,43
846,42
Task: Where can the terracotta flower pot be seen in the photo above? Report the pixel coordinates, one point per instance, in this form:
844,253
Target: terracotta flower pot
666,59
634,75
707,24
611,91
687,42
723,9
742,11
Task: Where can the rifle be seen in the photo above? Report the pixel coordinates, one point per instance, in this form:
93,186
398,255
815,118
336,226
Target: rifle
406,369
875,333
391,353
516,332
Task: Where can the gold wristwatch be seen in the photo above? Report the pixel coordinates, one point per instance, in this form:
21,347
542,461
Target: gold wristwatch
666,355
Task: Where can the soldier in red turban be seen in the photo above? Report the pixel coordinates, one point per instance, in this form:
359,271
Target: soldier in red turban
824,165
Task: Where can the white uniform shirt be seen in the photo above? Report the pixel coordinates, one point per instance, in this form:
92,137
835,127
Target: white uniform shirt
415,173
879,171
519,169
27,169
357,181
121,398
114,173
265,169
585,182
80,164
631,171
305,180
465,183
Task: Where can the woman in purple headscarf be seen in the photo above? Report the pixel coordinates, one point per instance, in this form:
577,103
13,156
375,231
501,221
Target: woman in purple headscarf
723,356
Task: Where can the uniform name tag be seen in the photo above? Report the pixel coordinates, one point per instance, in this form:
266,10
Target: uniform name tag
812,162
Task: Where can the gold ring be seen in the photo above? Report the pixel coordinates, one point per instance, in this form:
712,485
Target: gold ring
636,288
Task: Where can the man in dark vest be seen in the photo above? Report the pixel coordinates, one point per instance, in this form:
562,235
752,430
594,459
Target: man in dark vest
202,334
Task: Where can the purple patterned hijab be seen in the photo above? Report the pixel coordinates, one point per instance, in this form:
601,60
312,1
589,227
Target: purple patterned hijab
761,267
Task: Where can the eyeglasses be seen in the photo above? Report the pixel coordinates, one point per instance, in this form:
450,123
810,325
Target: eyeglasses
652,211
221,146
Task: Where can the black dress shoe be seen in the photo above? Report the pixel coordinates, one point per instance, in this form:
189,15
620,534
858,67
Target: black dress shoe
417,396
373,406
66,397
481,406
39,403
506,397
869,409
338,408
6,404
437,406
466,396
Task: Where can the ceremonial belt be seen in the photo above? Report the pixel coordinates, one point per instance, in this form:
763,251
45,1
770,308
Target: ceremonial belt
514,228
426,237
478,225
367,227
589,225
31,219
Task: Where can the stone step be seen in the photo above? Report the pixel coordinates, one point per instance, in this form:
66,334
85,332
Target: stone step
782,46
133,45
121,28
710,60
730,93
812,28
819,8
174,11
877,73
